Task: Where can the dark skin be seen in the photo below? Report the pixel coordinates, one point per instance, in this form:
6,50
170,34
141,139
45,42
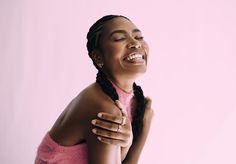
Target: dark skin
74,124
130,151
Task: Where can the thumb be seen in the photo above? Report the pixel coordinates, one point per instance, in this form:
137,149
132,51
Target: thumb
121,107
148,103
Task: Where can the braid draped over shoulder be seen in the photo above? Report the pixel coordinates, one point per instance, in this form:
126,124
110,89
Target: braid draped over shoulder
93,37
107,88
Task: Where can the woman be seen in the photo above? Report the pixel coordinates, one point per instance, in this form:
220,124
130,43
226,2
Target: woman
119,52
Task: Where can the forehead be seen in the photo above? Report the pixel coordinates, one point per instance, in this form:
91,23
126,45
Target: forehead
119,23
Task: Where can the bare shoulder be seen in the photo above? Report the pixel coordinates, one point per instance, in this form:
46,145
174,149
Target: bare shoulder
94,100
90,102
74,124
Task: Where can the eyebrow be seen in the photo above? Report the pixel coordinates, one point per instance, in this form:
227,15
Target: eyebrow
124,32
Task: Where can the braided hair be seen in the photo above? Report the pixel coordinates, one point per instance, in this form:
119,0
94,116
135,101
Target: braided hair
93,37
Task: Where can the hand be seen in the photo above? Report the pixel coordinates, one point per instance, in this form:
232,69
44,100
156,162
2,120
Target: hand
149,113
113,129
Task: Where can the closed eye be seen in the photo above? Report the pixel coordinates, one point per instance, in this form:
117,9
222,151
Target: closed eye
139,37
119,39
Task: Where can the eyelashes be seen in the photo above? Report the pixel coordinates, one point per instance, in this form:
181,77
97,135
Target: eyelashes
139,38
119,39
123,38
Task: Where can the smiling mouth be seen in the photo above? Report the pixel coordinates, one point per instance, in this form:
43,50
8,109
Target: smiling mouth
135,57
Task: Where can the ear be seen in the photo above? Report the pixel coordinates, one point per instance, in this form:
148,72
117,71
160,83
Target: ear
97,57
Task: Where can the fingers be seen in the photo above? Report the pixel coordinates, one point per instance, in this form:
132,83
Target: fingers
148,103
149,113
110,134
121,107
113,118
114,127
115,138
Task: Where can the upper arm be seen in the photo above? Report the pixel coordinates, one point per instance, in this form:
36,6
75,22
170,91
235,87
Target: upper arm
98,152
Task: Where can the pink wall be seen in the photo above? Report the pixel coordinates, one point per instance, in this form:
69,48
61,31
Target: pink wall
191,76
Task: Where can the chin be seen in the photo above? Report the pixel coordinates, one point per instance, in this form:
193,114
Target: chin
137,71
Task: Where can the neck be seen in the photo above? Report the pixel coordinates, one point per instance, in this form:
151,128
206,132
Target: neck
127,87
125,84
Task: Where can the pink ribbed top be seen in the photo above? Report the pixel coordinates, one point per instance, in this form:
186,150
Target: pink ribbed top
50,152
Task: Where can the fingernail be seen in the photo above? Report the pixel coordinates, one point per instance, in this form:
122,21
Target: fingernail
100,115
99,138
93,122
94,130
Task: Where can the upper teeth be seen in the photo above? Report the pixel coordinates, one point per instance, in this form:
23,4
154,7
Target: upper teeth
130,57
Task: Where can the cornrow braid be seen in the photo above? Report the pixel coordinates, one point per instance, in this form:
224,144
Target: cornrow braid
94,34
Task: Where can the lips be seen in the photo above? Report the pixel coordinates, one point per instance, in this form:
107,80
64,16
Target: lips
134,57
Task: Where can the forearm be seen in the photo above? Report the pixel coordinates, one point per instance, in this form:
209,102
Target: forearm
135,150
124,152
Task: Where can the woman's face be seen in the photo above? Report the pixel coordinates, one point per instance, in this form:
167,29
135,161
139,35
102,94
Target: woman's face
123,50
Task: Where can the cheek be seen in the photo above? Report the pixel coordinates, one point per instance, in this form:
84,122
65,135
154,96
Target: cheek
113,49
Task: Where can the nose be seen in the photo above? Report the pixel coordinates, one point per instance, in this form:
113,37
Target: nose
134,44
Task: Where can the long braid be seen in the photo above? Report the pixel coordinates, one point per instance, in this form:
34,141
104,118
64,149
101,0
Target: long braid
106,86
137,123
93,37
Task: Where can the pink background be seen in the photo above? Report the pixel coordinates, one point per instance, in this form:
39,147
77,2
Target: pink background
191,75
